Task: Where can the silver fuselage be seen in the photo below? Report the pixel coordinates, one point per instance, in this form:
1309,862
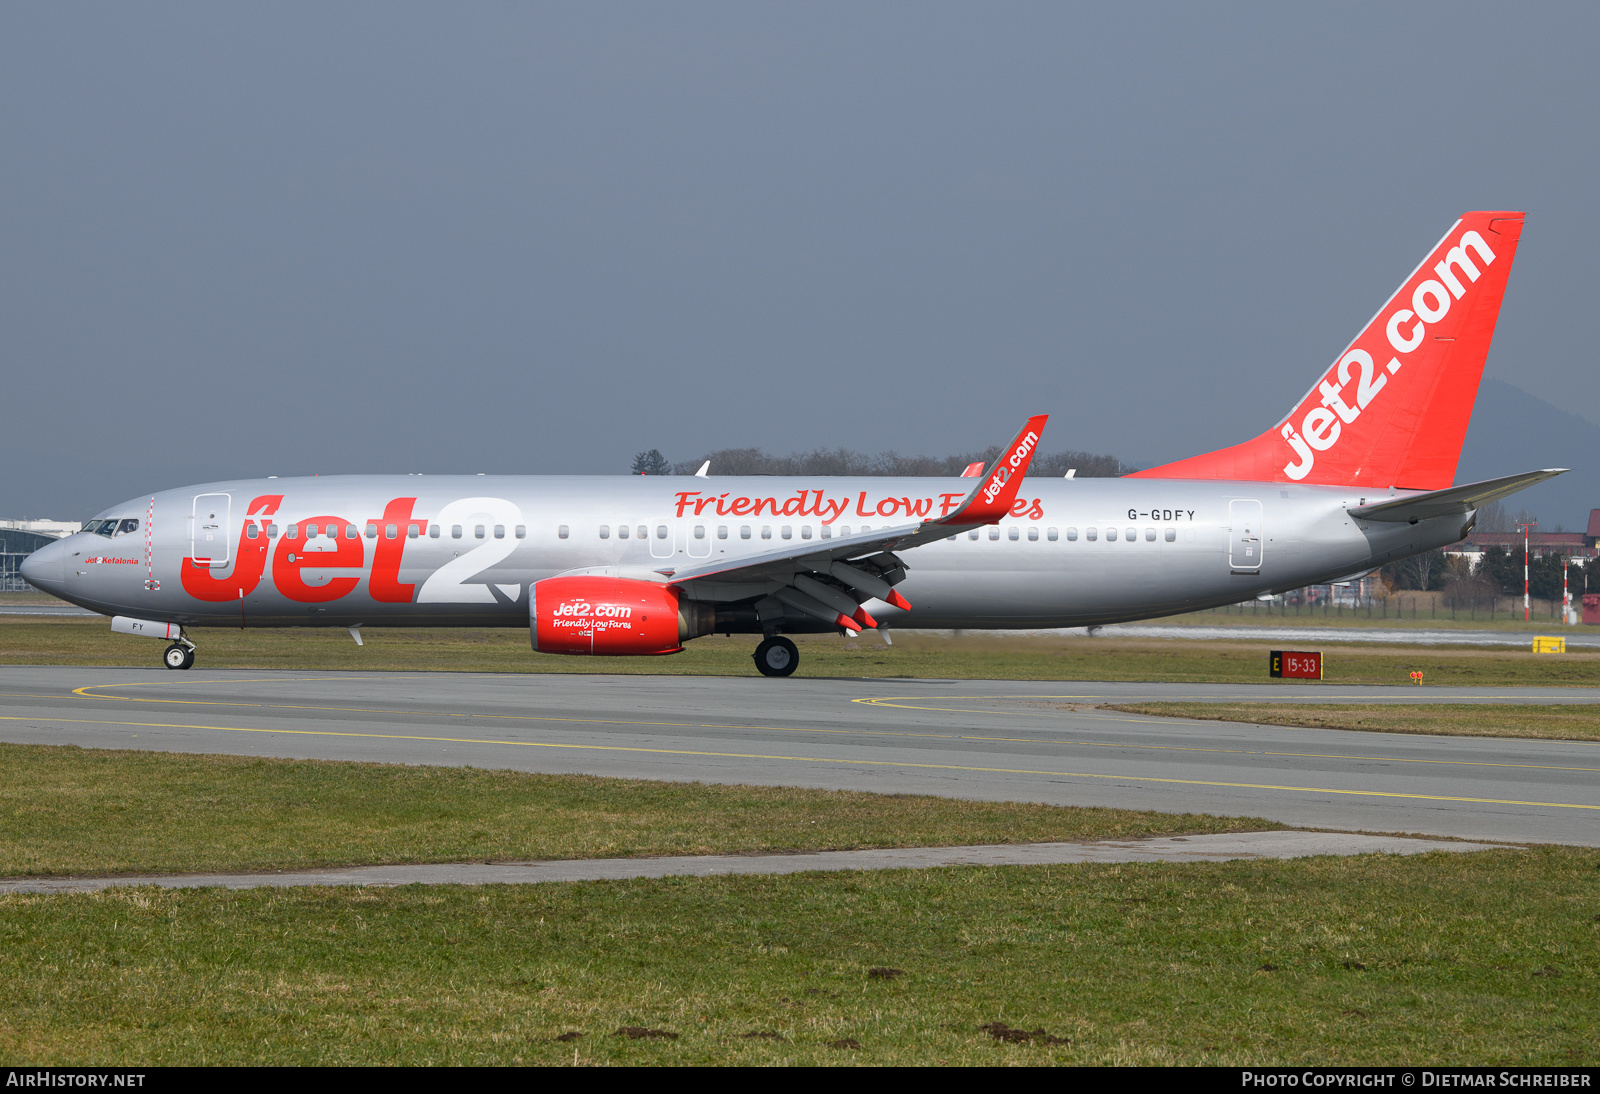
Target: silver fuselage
466,549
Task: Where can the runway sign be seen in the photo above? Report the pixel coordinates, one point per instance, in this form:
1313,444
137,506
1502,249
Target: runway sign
1297,664
1544,644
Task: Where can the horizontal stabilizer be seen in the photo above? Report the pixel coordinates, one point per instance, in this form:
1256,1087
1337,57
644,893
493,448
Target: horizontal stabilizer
1454,501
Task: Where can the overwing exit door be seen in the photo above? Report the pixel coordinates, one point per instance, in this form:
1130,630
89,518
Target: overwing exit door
1244,535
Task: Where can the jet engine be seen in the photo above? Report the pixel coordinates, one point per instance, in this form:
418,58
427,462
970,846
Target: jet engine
612,616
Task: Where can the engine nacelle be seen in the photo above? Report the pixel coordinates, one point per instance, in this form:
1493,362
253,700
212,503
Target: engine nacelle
613,616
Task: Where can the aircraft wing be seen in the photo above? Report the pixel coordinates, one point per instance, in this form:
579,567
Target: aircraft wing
801,558
1454,501
823,578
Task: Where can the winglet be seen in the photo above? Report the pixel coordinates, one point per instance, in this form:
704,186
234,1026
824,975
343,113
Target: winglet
991,499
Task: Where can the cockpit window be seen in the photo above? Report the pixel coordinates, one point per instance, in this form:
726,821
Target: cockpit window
126,526
101,527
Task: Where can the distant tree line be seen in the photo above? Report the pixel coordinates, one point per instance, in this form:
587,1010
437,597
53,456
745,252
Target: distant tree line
1499,573
846,461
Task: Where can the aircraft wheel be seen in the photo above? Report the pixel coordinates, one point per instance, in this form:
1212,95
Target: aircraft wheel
776,656
178,657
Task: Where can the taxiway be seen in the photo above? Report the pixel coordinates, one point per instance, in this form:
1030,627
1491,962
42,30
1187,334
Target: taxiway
996,740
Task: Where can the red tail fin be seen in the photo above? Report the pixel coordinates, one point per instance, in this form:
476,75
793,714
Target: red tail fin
1393,409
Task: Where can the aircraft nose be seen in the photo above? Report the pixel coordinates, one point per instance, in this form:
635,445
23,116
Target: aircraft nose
46,568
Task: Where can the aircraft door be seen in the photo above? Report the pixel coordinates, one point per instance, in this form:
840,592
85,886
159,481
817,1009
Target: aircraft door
661,539
211,529
1244,534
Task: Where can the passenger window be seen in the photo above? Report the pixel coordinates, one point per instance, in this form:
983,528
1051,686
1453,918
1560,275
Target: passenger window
352,532
1132,534
521,531
1014,534
805,531
622,531
744,531
332,531
1150,535
1033,533
1172,535
500,531
272,531
389,531
661,531
412,530
1072,535
250,531
1111,535
605,531
699,531
994,533
766,531
477,531
433,531
455,531
827,532
644,533
788,532
1090,534
844,530
972,534
722,531
1052,535
372,531
311,531
292,532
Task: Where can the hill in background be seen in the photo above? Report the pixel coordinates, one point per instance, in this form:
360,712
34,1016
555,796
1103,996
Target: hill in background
1513,431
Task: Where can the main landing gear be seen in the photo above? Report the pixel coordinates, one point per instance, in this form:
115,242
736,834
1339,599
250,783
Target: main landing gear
776,656
179,655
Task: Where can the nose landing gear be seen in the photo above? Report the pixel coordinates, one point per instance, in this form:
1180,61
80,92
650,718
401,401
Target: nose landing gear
179,655
777,656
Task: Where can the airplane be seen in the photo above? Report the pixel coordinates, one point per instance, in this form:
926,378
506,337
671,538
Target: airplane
1358,474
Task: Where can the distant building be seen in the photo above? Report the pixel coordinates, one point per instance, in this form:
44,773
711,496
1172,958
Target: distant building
14,547
1561,544
55,529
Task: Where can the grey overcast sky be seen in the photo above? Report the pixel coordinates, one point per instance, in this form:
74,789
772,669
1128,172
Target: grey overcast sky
537,238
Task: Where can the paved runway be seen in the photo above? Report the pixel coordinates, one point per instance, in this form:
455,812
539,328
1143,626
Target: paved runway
996,740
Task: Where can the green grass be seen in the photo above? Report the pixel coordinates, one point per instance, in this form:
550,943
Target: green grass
31,597
1486,958
74,641
185,813
1559,722
1403,611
